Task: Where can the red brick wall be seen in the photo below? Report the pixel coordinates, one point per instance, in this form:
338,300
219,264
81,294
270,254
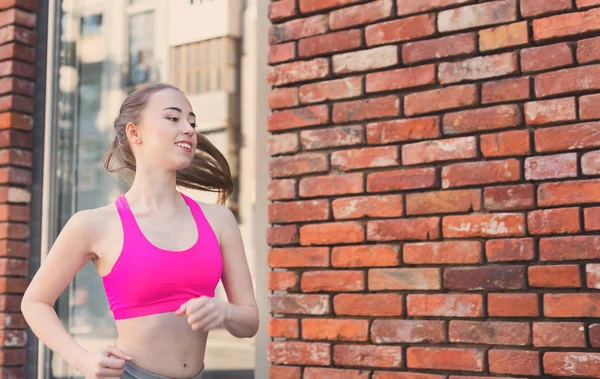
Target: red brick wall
435,188
17,41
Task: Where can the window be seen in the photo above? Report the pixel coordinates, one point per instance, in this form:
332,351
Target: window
91,25
141,47
205,66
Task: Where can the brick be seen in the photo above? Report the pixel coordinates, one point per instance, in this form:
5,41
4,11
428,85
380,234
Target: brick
415,178
504,36
401,78
367,206
403,130
510,249
283,327
572,364
440,99
332,233
330,185
385,304
282,280
496,117
365,256
569,80
299,304
283,98
588,50
13,285
14,212
478,15
299,257
570,248
14,356
408,331
477,173
514,362
439,150
299,353
365,60
298,165
308,6
447,252
340,281
513,305
588,109
17,51
591,218
360,14
556,276
282,189
409,6
490,332
335,330
444,305
445,47
331,90
13,33
450,201
423,228
489,66
485,278
514,142
586,3
282,9
549,111
569,192
369,157
15,157
282,53
403,29
546,57
566,25
14,231
440,358
553,221
294,72
396,279
404,375
592,273
17,16
284,372
333,373
594,332
298,118
332,137
551,166
558,334
329,43
512,89
366,109
283,143
14,267
296,29
367,355
534,8
16,249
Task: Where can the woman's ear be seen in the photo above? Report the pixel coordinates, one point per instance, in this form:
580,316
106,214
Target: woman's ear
133,133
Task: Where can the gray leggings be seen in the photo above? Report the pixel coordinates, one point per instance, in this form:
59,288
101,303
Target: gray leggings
134,372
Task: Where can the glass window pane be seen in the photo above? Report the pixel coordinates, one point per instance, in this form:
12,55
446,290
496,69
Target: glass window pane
141,47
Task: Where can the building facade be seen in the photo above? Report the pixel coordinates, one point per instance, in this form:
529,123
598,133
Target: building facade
68,66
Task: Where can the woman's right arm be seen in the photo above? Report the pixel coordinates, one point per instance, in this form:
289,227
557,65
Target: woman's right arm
69,253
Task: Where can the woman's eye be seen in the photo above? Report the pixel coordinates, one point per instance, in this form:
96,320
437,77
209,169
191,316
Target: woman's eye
174,119
193,125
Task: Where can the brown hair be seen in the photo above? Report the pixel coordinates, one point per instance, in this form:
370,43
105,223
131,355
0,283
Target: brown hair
209,170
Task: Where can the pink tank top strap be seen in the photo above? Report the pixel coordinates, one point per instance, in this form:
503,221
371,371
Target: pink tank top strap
201,221
130,227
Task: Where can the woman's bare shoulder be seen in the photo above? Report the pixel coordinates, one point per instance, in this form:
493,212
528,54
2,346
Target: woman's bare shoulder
95,219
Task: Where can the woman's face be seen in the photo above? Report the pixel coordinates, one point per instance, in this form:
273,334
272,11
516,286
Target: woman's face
166,134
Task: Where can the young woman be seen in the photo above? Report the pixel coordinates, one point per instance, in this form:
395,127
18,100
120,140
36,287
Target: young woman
160,254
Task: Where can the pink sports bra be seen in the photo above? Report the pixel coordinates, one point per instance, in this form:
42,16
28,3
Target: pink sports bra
147,280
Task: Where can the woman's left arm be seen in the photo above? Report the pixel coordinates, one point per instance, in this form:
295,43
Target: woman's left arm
240,314
241,319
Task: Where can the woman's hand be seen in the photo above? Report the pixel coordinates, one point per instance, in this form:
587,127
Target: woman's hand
108,364
205,313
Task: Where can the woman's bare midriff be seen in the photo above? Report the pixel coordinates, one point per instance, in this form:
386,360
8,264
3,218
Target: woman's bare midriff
163,344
